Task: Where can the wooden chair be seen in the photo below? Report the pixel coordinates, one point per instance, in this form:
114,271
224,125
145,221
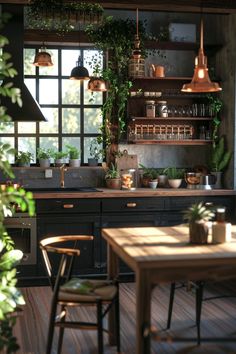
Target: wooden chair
71,292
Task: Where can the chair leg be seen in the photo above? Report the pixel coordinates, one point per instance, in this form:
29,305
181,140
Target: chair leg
171,301
51,326
199,296
100,327
117,310
61,330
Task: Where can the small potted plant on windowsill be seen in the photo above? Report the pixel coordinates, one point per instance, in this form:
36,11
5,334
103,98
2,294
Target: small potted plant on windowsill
96,153
23,159
74,154
175,176
59,157
112,177
44,156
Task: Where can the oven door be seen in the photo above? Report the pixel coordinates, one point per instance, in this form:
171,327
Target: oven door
23,231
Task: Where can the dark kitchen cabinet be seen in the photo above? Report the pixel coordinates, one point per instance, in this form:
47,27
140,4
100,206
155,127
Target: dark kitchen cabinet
72,217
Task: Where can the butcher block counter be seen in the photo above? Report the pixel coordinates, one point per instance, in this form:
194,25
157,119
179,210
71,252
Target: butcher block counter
139,192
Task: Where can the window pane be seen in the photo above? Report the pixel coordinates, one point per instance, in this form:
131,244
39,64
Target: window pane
27,144
29,68
70,91
48,91
92,97
50,70
93,61
51,126
70,141
7,128
31,85
49,142
10,141
27,127
69,57
71,120
92,120
87,142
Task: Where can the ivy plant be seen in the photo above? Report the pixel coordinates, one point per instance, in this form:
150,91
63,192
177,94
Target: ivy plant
10,296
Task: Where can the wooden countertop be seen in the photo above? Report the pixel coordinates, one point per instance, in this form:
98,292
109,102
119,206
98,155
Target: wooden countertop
139,192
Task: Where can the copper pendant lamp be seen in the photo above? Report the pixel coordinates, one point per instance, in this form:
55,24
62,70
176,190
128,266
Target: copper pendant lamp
136,62
201,81
43,58
97,84
79,72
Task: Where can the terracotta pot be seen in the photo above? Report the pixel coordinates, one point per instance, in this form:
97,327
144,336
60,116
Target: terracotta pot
198,232
113,183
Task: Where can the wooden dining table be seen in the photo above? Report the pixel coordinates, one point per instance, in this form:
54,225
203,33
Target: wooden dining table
163,254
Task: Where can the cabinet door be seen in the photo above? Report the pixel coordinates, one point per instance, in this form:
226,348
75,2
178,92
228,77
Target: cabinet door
89,260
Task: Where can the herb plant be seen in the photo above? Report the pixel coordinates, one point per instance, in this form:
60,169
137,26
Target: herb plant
73,152
112,172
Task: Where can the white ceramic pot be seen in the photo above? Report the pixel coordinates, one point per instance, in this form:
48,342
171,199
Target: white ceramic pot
59,162
44,163
153,184
74,163
174,183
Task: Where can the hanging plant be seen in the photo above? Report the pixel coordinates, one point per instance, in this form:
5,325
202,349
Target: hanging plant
60,16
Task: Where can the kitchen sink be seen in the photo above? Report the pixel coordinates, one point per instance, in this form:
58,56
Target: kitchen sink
67,189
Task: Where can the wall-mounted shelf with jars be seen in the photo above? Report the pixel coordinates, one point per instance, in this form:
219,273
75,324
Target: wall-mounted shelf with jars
159,113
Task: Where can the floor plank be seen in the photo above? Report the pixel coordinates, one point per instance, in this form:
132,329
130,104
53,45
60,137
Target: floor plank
218,320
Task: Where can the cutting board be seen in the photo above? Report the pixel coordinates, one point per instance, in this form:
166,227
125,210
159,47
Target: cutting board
126,161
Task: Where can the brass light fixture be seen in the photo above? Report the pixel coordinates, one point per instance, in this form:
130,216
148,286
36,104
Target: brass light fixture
201,81
43,58
97,84
136,62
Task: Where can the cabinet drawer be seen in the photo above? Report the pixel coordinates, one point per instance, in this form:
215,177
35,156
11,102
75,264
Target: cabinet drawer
182,203
132,204
69,206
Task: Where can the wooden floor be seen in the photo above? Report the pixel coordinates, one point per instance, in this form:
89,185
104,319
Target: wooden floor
218,320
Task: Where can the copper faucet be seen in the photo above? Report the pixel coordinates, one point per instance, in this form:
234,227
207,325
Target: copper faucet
63,169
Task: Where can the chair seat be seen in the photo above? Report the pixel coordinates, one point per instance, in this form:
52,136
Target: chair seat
72,291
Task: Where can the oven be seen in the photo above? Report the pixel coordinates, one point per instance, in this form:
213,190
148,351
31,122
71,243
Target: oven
23,231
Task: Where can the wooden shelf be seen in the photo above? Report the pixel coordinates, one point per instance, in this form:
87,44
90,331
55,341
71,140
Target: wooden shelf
171,142
173,78
156,119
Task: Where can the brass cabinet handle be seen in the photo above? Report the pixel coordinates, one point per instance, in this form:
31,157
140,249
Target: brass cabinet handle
68,206
131,205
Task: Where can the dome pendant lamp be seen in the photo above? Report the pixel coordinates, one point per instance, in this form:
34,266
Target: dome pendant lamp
201,81
43,58
79,72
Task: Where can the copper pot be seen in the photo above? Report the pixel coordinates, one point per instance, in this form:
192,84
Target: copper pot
192,179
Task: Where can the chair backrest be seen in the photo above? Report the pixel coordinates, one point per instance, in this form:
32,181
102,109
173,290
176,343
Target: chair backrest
59,245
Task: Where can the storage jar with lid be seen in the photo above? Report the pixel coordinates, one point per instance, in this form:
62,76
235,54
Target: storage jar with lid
162,110
150,109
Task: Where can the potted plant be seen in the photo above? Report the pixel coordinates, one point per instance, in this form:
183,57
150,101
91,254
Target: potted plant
23,159
175,176
197,217
148,175
96,153
44,156
162,177
74,154
219,160
59,157
112,177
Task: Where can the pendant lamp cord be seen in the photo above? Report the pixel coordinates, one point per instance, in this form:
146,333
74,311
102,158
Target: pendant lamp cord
137,22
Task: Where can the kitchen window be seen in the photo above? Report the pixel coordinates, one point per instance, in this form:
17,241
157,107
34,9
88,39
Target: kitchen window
73,113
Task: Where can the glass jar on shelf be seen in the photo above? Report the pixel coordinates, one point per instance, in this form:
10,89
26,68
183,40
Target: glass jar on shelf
129,179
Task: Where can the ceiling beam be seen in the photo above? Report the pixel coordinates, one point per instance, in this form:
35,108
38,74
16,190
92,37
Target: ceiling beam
207,6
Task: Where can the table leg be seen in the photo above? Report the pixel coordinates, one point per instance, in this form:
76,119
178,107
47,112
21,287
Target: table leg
113,271
143,312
